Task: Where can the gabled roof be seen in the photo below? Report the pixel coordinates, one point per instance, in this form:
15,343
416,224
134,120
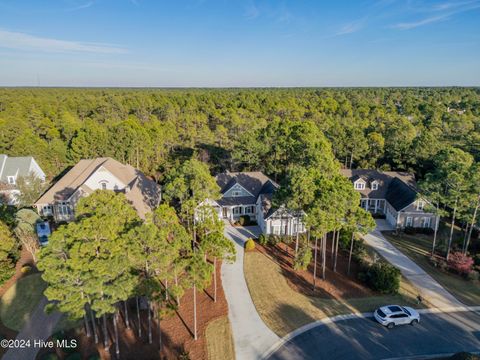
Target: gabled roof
399,194
14,166
255,182
383,178
142,192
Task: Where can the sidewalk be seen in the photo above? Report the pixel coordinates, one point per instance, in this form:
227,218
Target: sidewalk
428,288
251,336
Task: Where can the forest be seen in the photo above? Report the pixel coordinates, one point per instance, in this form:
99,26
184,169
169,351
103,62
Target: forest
153,129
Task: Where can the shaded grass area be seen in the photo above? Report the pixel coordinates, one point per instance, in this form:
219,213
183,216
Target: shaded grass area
283,309
219,340
20,300
418,249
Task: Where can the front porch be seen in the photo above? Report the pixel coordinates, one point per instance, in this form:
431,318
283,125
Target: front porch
375,206
234,212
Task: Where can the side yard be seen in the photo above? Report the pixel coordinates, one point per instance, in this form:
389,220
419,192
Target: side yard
417,248
284,307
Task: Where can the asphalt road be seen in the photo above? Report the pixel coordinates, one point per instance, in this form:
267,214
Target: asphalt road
440,333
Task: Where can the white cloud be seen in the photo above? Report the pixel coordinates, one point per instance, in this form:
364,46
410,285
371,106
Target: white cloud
415,24
22,41
351,28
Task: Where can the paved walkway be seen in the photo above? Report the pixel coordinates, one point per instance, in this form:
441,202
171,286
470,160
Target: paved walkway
38,327
251,336
428,287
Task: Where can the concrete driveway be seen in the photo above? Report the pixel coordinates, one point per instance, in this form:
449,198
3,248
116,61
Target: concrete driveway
428,287
363,338
251,336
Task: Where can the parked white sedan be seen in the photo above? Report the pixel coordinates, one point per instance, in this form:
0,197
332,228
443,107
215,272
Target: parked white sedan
393,315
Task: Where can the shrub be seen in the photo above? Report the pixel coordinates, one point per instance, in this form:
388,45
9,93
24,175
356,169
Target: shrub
464,356
7,270
476,259
382,277
273,239
249,245
460,263
26,269
474,275
74,356
303,258
94,357
410,230
244,220
50,356
262,240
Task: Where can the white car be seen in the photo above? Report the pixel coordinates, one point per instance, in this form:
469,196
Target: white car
393,315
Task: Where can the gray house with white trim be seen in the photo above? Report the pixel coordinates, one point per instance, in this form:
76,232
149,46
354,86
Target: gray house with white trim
394,195
13,168
251,193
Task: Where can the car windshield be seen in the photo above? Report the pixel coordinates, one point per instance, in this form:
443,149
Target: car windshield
408,312
381,313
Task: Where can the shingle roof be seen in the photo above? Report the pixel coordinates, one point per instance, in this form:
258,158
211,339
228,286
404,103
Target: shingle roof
399,194
14,166
236,200
142,192
253,181
399,188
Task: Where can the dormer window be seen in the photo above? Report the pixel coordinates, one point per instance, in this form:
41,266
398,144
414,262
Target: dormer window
11,180
420,205
236,193
359,185
374,185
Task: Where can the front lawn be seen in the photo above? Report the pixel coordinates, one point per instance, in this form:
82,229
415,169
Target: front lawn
20,300
284,309
418,248
219,340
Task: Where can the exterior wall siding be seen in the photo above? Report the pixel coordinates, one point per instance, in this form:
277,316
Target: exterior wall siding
238,188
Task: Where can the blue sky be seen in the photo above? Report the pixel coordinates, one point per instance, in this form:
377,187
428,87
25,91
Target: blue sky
239,43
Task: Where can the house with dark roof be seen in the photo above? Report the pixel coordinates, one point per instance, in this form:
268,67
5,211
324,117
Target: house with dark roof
251,193
89,175
11,170
392,194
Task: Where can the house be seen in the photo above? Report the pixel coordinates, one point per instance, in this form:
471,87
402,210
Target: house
13,168
251,193
393,195
98,174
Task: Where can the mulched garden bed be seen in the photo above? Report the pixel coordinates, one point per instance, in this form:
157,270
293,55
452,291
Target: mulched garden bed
176,331
337,284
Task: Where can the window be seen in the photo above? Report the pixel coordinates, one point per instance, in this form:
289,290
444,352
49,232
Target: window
250,210
236,193
420,205
104,186
359,186
409,221
374,185
426,222
276,229
11,180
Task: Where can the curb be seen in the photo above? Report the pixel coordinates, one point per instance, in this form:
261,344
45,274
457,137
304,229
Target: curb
338,318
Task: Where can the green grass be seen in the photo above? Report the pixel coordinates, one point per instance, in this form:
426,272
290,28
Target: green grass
418,248
20,300
284,309
219,340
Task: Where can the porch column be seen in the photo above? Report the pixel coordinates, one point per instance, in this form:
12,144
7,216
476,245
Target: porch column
376,205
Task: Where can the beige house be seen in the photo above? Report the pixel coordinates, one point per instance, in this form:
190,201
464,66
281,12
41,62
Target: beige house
98,174
393,195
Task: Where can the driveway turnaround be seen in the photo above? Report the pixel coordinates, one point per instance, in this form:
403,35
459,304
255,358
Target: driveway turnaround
428,288
38,328
438,334
251,336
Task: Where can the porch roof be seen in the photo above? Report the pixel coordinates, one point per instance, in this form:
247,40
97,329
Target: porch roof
238,200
